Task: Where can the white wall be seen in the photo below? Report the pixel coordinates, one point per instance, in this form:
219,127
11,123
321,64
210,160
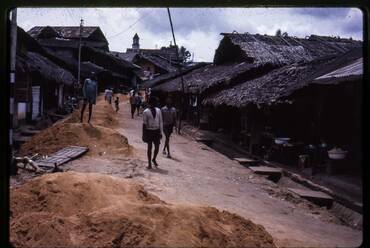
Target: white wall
22,108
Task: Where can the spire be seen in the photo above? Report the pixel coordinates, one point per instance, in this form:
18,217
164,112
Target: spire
135,42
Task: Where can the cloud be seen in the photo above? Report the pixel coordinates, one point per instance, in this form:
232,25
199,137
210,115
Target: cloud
322,13
197,29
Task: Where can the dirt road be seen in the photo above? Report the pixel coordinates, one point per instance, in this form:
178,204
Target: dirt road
198,175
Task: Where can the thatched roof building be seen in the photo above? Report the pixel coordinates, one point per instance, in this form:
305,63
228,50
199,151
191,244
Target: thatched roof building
126,56
161,63
214,76
279,50
33,58
277,85
37,64
241,59
173,74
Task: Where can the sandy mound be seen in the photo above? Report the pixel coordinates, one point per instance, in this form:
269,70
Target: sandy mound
100,137
92,210
103,114
100,140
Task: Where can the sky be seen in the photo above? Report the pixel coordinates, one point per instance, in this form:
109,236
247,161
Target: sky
197,29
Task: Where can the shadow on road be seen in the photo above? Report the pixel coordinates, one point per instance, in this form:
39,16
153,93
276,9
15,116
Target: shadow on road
159,170
175,159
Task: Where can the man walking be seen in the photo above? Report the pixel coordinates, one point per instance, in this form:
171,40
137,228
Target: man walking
116,103
133,106
137,102
89,91
110,95
169,122
152,130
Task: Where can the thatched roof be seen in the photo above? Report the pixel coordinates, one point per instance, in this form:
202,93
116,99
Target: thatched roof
281,50
169,53
88,66
165,77
130,56
112,64
213,76
37,60
280,83
68,32
40,65
160,62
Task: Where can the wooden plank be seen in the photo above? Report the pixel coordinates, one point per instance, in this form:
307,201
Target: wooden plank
246,161
317,197
273,174
265,170
71,151
28,132
62,156
21,139
310,193
202,139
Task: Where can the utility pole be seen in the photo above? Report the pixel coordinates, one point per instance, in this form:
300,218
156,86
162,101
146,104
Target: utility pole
13,107
79,55
180,64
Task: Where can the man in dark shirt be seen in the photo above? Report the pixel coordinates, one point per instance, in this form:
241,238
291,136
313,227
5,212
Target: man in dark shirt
137,102
169,115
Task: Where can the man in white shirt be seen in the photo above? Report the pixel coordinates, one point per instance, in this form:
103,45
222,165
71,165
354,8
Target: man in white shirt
110,95
169,115
152,130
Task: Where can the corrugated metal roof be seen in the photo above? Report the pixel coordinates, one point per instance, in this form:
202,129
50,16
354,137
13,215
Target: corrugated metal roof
353,69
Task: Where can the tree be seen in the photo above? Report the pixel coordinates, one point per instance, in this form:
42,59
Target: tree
278,32
184,54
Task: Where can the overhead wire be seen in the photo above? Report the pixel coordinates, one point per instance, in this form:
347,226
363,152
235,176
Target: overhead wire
131,25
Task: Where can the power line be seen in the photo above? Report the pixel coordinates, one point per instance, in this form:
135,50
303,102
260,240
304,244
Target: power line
130,26
72,16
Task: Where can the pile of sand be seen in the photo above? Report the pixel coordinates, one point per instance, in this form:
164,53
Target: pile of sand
103,114
100,137
100,140
92,210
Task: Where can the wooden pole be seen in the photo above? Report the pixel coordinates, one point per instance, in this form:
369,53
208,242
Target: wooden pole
13,104
79,54
182,80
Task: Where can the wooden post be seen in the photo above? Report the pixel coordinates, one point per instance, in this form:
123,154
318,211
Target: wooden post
182,80
79,55
13,104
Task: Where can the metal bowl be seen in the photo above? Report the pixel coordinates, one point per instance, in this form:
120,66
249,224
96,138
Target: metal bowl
337,155
280,141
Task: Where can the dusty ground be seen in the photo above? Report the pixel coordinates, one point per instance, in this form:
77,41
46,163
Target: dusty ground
199,175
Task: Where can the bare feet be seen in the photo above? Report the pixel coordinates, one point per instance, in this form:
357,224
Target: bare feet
155,163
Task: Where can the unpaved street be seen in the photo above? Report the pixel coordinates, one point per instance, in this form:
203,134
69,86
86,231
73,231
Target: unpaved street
198,175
